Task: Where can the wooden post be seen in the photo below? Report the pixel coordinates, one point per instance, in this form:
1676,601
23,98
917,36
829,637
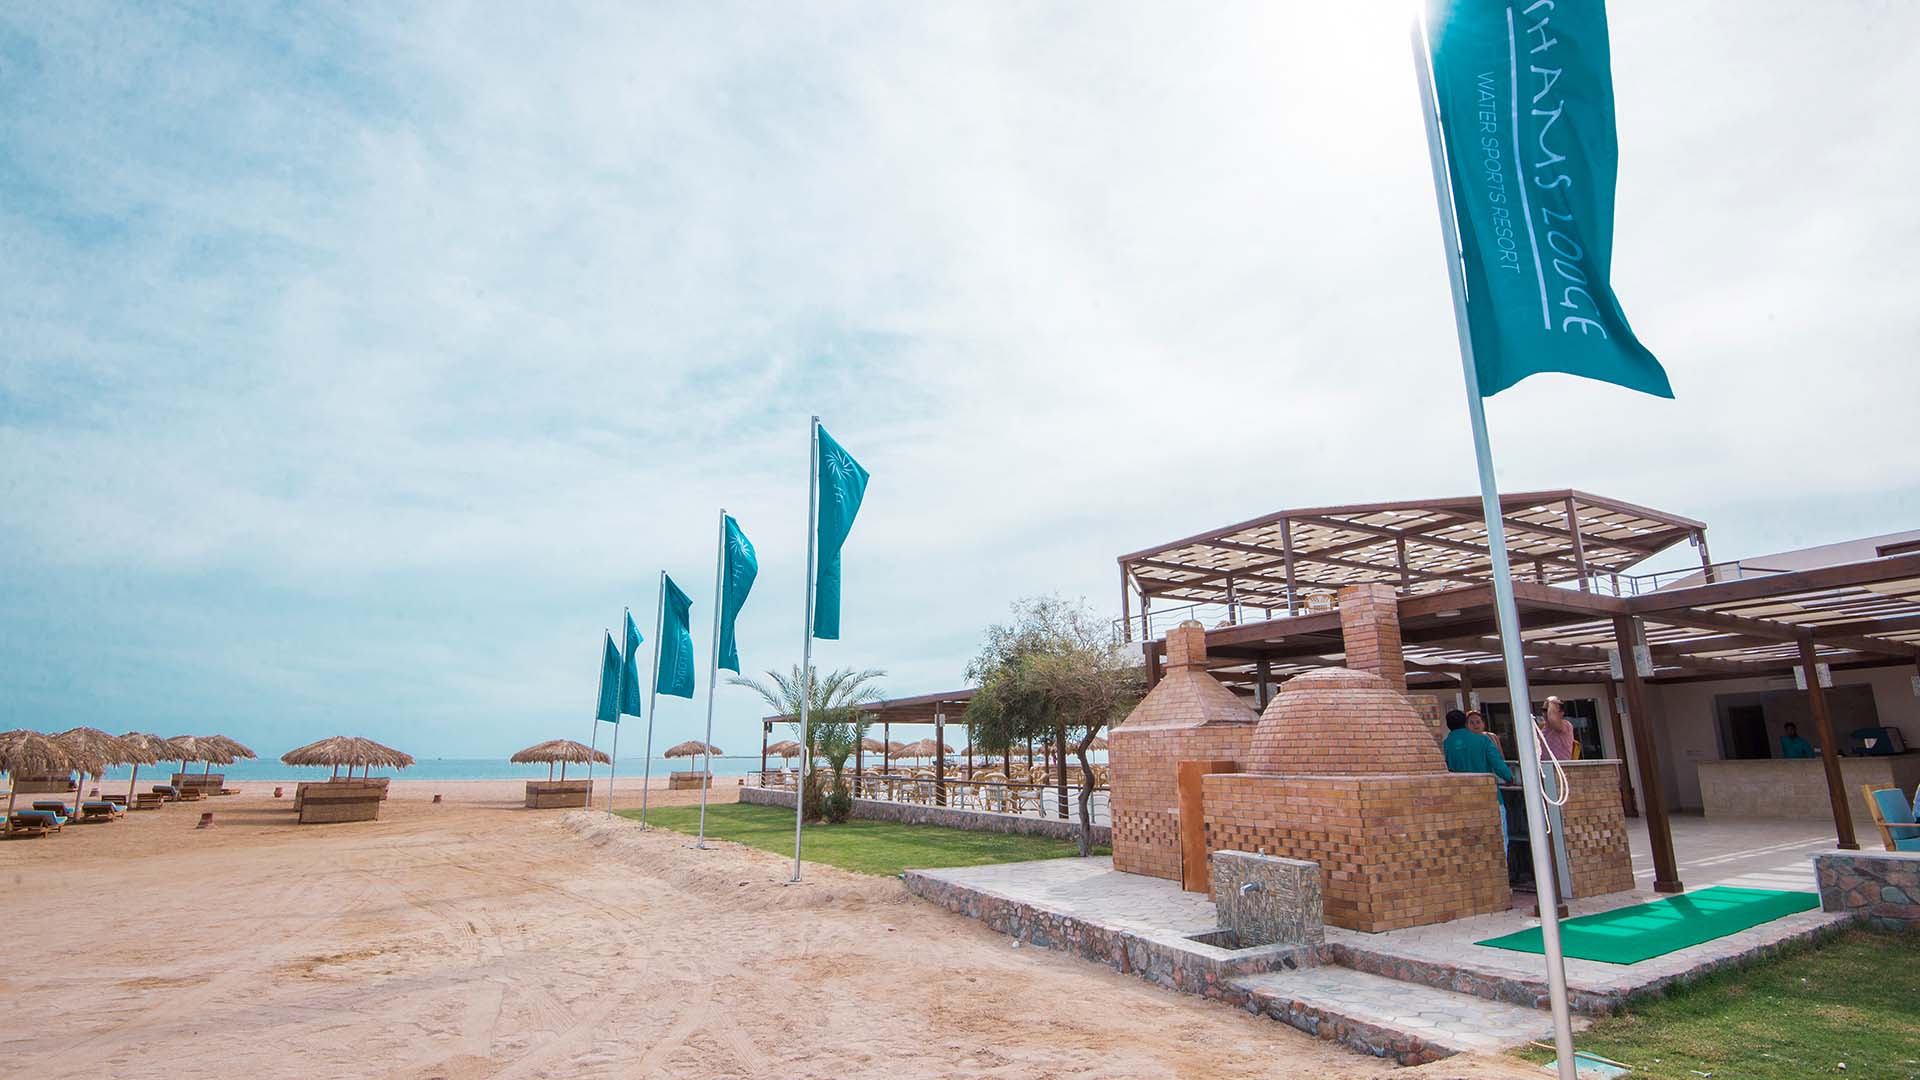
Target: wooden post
1194,873
1627,803
1579,549
765,727
1153,666
940,759
1146,615
886,739
1263,691
1126,608
1466,691
1060,751
1706,557
1400,545
1286,558
969,753
1233,605
1627,633
1829,750
859,763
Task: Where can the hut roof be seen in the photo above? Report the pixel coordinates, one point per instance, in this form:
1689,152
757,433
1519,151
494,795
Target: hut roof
785,748
558,750
899,748
693,748
158,748
873,746
29,753
93,750
233,747
199,748
347,750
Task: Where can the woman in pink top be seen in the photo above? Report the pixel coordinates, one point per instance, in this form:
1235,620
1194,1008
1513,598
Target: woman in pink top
1558,731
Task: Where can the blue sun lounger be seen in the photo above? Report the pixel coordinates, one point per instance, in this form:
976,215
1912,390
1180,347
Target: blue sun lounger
39,821
56,806
100,810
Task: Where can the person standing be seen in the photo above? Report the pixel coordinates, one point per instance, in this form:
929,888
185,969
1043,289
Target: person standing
1792,745
1558,732
1467,752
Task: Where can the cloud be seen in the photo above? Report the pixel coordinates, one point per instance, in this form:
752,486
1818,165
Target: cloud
361,367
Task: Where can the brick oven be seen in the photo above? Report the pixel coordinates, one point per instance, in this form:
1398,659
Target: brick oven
1188,716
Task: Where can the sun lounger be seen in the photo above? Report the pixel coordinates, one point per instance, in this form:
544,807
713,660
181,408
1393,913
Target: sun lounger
121,800
1891,812
100,810
53,806
38,819
167,792
149,800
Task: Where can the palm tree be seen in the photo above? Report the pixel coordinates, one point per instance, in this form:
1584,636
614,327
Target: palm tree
834,728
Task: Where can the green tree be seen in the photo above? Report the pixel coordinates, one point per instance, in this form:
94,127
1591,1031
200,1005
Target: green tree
1053,669
834,724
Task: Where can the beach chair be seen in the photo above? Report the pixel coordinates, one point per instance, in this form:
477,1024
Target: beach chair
1892,814
148,800
101,810
167,792
44,820
55,806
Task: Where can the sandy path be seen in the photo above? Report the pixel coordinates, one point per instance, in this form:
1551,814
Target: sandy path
472,939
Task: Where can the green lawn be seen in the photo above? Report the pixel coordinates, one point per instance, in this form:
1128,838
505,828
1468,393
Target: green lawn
867,847
1853,1000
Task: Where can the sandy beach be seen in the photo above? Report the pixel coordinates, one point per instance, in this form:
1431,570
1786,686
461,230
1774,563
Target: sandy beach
471,938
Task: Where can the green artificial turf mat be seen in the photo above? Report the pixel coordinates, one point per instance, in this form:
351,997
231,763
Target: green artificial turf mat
1629,935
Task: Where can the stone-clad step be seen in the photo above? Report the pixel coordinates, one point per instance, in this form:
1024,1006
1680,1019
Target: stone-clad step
1386,1018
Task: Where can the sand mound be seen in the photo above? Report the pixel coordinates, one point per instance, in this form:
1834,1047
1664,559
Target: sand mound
747,878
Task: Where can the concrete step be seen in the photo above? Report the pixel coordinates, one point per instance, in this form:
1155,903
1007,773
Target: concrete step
1409,1023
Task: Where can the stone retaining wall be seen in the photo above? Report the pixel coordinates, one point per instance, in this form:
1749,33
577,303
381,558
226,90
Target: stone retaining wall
952,818
1881,886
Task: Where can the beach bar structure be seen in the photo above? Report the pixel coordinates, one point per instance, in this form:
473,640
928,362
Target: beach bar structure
1680,683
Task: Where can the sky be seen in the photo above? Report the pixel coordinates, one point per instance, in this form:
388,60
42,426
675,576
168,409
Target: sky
360,364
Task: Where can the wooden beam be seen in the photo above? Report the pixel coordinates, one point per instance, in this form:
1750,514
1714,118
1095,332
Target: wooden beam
1579,549
1829,750
1627,632
1872,571
1783,631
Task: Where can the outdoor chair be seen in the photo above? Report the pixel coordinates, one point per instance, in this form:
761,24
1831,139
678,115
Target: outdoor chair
43,820
100,810
56,806
1894,816
148,800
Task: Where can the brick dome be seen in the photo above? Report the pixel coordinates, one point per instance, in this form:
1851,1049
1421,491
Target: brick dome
1342,722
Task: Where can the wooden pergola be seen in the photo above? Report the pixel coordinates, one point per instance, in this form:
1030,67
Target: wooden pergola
1736,622
1294,560
940,711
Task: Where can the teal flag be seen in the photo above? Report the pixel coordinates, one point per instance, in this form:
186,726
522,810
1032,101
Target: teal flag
609,706
843,483
674,668
738,569
1525,95
630,671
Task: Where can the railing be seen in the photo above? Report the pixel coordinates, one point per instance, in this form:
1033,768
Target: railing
1031,798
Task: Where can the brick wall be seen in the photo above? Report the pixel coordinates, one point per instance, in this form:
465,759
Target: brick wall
1395,851
1370,624
1596,829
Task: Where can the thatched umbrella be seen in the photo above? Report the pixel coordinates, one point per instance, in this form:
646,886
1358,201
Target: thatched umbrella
348,750
93,750
1098,743
694,748
199,748
150,750
899,749
235,750
785,750
32,753
563,751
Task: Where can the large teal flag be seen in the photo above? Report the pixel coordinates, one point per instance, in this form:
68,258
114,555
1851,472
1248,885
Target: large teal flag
739,568
1525,94
630,671
608,708
843,483
675,665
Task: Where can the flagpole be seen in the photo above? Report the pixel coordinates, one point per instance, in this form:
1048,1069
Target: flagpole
653,696
713,674
1508,612
806,646
593,743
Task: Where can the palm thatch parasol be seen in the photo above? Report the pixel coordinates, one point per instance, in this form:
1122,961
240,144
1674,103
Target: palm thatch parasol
234,749
564,751
785,750
695,748
1098,743
93,750
24,752
199,748
873,746
152,750
348,750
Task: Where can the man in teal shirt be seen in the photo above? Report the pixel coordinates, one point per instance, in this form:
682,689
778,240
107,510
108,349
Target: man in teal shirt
1791,744
1470,752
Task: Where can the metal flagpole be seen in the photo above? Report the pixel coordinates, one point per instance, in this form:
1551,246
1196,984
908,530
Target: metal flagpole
1509,615
713,674
653,695
593,742
806,647
613,759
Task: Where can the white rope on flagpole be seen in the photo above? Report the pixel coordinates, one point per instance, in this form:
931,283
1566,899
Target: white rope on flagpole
806,647
653,696
1508,611
713,676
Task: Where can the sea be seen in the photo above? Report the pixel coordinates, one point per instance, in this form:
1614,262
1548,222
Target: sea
270,769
